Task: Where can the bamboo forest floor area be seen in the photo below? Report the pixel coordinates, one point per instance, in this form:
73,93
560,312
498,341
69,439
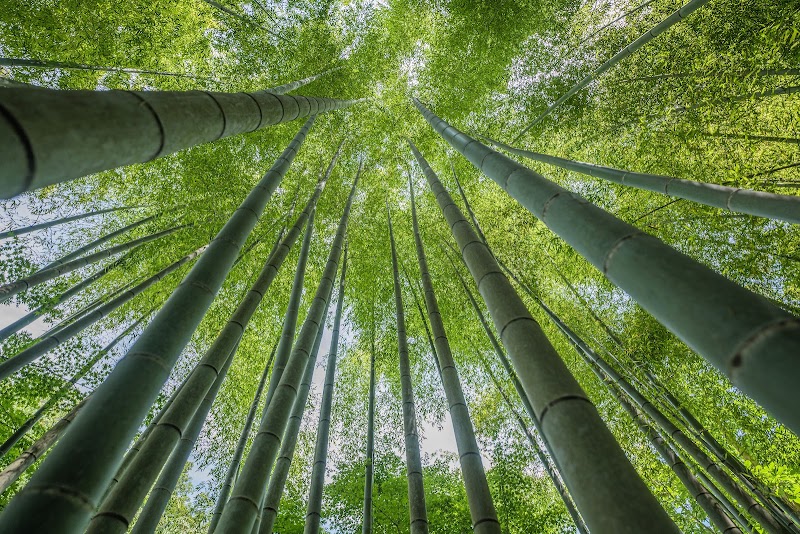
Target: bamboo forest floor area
389,266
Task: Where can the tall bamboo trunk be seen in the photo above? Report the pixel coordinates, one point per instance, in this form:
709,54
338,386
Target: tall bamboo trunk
80,251
737,200
31,316
314,508
277,482
642,40
60,392
290,318
9,290
767,521
607,490
479,498
369,461
552,470
49,136
120,404
752,341
238,452
15,469
56,222
47,344
21,62
418,513
291,86
119,508
547,460
241,510
158,499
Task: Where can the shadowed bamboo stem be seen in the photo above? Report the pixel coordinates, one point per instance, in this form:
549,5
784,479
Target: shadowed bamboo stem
49,136
60,392
46,344
752,341
244,506
56,222
120,404
120,506
277,482
369,453
21,62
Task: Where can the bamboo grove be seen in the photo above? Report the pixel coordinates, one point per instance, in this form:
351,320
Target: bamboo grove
491,267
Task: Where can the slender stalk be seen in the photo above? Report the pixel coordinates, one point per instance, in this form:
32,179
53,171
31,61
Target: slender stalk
243,507
624,15
244,19
418,513
742,74
769,523
737,200
314,508
123,400
119,508
642,40
290,318
77,253
9,290
710,505
238,452
56,222
607,490
162,491
31,316
49,136
67,386
46,344
752,341
369,461
291,86
479,498
15,469
277,482
20,62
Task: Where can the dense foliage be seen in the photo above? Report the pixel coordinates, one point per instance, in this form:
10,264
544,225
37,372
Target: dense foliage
691,104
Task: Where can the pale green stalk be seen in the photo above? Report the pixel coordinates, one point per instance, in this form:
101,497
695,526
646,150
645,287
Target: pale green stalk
733,199
46,344
314,508
11,289
604,485
479,498
651,34
56,222
369,470
418,513
291,86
